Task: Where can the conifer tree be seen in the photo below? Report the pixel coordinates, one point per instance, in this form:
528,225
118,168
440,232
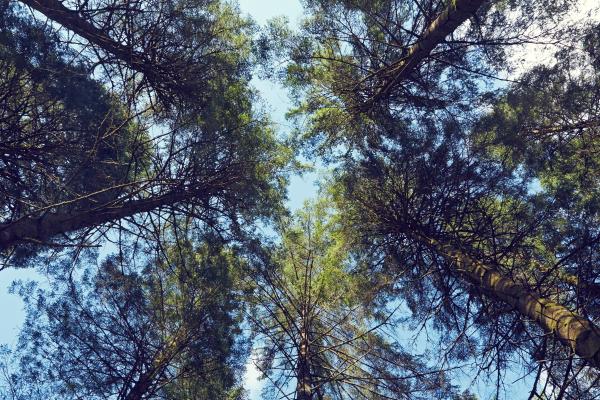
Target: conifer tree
161,323
317,333
81,154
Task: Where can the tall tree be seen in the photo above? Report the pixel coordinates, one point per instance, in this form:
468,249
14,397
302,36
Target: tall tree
460,234
409,63
80,155
545,129
317,335
169,50
166,329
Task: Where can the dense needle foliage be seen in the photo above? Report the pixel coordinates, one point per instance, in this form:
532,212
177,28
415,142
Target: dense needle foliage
455,235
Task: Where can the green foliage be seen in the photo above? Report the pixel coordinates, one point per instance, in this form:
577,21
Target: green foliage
545,130
517,192
64,137
315,321
79,145
313,237
349,51
168,330
434,156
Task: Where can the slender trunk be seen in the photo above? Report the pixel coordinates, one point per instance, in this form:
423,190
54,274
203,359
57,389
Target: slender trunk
70,19
39,229
582,336
457,12
304,386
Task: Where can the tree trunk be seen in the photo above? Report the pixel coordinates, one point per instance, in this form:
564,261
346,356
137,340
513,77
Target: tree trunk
70,19
39,229
457,12
157,73
140,389
304,386
582,336
304,389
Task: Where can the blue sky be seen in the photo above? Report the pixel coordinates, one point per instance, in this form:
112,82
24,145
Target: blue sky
277,102
275,96
301,188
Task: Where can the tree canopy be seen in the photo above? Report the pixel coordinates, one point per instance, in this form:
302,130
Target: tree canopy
455,232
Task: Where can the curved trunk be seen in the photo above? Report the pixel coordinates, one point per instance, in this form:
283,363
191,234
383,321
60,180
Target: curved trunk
70,19
41,228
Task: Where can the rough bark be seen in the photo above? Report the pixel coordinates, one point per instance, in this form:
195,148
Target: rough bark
582,336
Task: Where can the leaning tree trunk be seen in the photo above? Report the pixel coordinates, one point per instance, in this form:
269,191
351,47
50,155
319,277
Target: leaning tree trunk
571,329
457,12
73,21
39,229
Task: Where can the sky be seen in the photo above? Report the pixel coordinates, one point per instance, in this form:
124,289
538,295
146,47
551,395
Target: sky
301,188
275,96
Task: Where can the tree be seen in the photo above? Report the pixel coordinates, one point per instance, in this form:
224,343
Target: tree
206,161
463,260
368,71
317,334
167,329
65,139
468,243
546,128
172,50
